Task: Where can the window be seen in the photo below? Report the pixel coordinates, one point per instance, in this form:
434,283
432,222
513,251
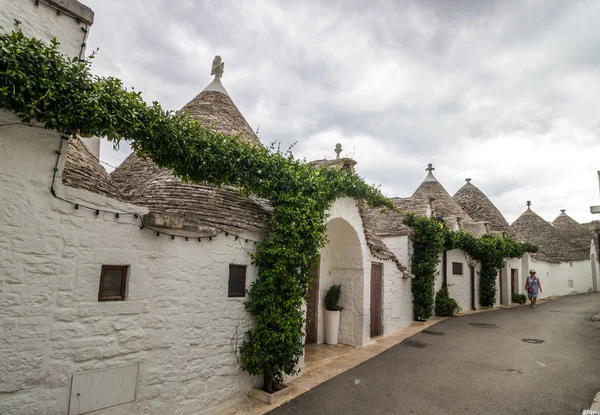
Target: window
113,281
457,268
237,281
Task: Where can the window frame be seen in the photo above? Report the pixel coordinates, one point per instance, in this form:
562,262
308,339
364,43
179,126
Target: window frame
124,271
462,268
229,292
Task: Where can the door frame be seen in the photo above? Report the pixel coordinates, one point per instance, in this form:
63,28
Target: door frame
376,299
312,319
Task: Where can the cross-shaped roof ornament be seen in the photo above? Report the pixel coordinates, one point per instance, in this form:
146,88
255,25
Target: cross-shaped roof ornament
430,168
528,204
217,67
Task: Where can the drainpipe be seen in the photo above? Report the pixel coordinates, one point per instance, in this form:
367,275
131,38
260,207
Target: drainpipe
472,268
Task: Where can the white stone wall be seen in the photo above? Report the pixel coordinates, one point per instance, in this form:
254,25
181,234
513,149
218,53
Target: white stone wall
397,299
42,22
459,286
176,322
564,278
397,295
515,263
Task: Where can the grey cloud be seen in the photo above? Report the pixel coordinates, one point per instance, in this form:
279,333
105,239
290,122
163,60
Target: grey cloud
427,80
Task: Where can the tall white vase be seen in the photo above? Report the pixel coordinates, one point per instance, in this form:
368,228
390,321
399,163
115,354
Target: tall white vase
332,326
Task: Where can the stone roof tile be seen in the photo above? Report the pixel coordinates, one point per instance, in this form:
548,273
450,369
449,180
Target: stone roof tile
553,246
83,171
477,205
575,233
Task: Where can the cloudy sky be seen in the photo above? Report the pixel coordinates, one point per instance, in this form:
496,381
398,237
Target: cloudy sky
504,92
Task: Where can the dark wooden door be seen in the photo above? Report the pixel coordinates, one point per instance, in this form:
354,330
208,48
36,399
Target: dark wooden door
500,285
312,310
514,280
376,291
473,305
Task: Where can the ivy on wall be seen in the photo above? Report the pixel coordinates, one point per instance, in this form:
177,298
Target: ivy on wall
431,237
39,84
428,238
490,251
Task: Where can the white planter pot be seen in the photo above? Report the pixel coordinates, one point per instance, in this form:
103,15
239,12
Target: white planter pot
332,326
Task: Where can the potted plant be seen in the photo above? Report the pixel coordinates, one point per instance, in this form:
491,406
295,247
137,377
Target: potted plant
332,313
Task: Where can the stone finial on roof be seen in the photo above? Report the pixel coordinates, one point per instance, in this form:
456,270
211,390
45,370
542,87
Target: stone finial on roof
563,211
217,67
430,177
217,70
338,150
468,180
529,205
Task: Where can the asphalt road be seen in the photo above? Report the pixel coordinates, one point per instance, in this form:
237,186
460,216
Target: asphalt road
474,370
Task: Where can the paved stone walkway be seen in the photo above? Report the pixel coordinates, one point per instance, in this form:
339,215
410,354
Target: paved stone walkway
322,362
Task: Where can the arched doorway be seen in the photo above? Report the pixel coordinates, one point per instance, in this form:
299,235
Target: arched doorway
341,262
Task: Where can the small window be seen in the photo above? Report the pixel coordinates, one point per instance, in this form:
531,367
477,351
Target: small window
113,281
457,268
237,281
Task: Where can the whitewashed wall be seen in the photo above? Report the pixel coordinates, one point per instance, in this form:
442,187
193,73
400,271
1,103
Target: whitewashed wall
397,295
459,286
515,263
346,260
44,23
563,279
176,322
397,299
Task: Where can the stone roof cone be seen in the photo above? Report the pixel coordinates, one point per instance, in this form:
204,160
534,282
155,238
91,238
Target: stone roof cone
553,246
214,107
142,182
443,204
577,234
479,207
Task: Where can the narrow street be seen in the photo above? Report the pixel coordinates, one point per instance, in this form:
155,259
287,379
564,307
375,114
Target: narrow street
477,364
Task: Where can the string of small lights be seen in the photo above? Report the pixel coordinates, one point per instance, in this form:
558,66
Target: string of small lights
142,225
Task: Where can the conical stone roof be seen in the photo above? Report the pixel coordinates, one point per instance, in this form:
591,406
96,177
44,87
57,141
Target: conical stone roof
83,171
577,235
553,246
431,193
143,183
477,205
215,108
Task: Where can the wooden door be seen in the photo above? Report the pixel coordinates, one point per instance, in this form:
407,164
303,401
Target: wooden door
376,297
514,281
312,309
500,284
473,305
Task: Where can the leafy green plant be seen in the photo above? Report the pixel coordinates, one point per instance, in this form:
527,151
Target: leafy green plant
445,306
332,298
519,298
490,251
431,237
428,237
39,84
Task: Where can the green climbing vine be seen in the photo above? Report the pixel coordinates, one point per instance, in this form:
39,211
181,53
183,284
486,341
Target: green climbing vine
430,237
39,84
490,251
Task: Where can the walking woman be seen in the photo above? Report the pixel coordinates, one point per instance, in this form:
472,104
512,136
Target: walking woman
532,286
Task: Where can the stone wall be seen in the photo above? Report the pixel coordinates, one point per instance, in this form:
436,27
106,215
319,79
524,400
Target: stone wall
43,22
177,322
